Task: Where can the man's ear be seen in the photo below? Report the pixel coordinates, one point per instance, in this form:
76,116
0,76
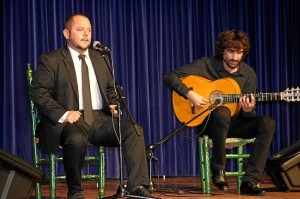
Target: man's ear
66,33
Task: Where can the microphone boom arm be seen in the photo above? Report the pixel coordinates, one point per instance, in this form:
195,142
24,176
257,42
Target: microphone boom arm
183,124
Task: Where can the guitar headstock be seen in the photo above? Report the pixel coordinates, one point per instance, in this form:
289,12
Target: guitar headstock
291,95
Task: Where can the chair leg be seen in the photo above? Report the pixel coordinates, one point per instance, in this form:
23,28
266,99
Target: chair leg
35,154
101,172
52,174
38,190
202,167
240,166
205,164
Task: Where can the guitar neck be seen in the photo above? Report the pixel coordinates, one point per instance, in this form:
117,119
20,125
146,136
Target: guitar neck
260,97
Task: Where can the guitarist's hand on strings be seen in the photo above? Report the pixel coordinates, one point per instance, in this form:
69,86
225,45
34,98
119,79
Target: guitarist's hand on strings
198,100
247,103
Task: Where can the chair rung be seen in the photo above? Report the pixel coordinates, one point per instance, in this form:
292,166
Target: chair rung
58,177
237,156
46,160
232,173
90,177
91,158
84,177
42,161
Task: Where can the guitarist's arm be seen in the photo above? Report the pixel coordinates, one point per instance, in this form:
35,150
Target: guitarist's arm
173,81
173,78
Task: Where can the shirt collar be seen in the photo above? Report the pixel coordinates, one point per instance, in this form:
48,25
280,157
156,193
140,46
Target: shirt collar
74,53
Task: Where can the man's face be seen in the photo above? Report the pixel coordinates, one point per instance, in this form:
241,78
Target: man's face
80,34
232,57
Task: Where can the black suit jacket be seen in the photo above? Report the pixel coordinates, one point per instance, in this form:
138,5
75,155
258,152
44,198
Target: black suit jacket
54,91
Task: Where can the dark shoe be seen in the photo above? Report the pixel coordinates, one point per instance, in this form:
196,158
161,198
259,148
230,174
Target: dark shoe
148,188
139,191
219,179
77,195
121,193
250,188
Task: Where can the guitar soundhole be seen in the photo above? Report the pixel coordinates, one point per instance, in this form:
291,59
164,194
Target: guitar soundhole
216,95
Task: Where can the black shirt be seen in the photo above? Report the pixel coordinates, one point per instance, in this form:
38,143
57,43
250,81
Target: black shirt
212,68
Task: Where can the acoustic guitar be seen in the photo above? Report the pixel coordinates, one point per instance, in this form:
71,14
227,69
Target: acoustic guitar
226,92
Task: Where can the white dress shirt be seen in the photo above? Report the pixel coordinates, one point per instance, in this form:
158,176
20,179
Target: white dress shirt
96,97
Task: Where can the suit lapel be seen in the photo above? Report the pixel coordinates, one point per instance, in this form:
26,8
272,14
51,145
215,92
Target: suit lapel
71,70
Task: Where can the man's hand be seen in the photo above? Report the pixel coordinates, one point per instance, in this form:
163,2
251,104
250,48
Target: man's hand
113,109
247,104
197,100
73,116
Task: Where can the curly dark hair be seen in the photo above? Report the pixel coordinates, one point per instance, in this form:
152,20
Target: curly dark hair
235,39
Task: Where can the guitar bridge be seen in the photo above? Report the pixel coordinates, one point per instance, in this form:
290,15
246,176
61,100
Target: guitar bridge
193,108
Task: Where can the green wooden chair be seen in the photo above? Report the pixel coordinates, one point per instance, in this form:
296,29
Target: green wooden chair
205,144
51,160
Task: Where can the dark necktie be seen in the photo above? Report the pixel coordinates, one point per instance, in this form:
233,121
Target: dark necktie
86,93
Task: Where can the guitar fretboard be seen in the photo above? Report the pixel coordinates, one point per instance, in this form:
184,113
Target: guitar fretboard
260,97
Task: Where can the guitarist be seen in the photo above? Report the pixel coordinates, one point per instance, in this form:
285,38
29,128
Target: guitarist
232,47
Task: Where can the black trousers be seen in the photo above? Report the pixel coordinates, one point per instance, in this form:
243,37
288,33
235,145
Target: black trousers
220,126
105,132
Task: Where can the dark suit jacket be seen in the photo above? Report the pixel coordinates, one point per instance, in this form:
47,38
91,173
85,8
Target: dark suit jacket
54,91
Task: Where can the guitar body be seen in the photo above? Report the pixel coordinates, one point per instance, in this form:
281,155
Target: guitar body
211,90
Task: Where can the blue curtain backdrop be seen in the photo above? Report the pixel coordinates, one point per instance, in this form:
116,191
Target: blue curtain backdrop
148,38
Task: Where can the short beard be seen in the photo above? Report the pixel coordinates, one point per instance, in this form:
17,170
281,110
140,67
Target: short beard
82,48
227,61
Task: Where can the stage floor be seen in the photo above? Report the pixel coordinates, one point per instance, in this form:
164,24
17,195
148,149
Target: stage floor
179,187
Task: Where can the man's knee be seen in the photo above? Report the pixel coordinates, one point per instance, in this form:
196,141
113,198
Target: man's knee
221,113
269,121
79,139
138,129
268,124
129,129
75,139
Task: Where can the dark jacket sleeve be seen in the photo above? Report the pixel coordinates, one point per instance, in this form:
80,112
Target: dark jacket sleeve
173,78
42,89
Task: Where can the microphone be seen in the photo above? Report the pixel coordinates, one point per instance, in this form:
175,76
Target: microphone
100,47
217,101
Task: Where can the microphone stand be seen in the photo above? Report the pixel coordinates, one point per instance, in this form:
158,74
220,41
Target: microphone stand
150,149
121,192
